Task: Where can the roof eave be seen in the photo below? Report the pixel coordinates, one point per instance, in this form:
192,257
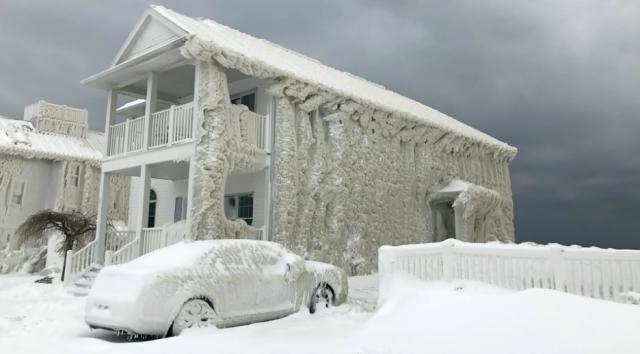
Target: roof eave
101,80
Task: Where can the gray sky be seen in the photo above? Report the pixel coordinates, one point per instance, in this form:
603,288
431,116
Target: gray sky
560,80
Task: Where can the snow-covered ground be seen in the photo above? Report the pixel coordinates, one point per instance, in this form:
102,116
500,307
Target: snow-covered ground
418,317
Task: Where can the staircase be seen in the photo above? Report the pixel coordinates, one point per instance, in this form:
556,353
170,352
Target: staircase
82,285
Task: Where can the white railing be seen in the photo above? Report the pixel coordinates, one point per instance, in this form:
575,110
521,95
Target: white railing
598,273
256,130
255,233
160,237
171,126
152,239
117,139
115,240
127,253
79,262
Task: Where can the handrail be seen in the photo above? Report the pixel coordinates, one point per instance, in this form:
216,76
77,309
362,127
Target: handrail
125,254
79,262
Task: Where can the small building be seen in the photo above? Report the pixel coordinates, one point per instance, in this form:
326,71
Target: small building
248,139
51,160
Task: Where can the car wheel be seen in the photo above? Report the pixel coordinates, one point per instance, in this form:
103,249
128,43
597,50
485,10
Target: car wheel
321,298
194,313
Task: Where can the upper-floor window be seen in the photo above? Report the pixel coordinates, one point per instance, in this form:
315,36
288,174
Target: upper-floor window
17,192
73,175
248,99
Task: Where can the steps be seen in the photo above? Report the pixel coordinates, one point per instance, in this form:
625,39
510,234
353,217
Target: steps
81,286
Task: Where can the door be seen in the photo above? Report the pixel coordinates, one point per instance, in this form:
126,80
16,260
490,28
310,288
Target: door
239,280
275,293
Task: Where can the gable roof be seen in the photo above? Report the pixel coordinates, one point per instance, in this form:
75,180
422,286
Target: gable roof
20,138
281,61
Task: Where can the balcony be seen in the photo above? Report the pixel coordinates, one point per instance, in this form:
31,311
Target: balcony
170,127
166,128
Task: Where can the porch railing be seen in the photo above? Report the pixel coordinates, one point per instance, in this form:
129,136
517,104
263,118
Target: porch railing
152,239
80,262
171,126
256,129
116,240
255,233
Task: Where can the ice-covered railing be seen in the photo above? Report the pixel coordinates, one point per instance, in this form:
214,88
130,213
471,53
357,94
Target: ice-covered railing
598,273
42,109
256,132
171,126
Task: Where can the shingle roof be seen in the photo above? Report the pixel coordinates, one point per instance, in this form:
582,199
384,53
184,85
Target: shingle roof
294,65
19,137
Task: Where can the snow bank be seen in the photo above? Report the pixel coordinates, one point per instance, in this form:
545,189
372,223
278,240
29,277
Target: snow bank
469,317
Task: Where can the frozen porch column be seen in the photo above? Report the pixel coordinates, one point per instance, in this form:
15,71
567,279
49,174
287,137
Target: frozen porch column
105,181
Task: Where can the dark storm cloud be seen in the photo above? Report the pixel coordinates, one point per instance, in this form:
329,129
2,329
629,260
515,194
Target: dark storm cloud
558,80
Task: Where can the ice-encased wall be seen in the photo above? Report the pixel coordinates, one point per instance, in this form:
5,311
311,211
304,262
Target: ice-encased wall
11,167
219,151
350,177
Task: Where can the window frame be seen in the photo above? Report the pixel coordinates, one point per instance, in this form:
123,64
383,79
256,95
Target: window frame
248,219
12,191
74,178
241,94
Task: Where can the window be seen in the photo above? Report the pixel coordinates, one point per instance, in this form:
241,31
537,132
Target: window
151,221
17,192
73,175
247,99
180,211
239,206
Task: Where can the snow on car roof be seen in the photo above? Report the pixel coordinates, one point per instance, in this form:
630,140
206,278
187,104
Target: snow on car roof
189,254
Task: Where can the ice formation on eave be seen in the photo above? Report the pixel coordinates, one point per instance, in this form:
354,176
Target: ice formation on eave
255,57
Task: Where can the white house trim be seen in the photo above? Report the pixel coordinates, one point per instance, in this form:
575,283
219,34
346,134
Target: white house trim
144,20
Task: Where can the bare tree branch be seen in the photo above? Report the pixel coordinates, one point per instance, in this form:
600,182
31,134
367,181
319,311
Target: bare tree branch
75,226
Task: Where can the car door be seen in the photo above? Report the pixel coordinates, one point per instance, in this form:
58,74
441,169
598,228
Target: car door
240,280
274,296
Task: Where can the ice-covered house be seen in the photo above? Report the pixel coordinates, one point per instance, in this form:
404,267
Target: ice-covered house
51,160
243,138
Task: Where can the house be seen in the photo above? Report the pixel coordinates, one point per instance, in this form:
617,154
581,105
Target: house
255,140
51,160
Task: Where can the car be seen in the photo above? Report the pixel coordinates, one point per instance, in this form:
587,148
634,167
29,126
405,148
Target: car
221,283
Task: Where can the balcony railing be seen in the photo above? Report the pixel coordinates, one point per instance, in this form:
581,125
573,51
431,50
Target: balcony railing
168,127
173,126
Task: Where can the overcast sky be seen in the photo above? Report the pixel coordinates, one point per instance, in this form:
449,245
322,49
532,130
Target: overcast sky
559,80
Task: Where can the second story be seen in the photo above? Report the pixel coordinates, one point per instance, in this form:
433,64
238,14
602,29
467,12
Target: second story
154,88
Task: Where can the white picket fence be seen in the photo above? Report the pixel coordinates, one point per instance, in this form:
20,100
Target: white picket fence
597,273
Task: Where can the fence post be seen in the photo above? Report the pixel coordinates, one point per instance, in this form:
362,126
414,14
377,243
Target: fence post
386,265
108,258
164,236
448,269
172,118
557,261
67,267
127,133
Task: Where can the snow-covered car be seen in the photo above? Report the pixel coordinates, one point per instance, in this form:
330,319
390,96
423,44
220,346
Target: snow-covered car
221,283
